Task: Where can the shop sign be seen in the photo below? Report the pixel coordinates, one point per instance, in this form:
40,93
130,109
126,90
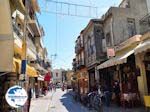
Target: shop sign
16,96
23,66
110,52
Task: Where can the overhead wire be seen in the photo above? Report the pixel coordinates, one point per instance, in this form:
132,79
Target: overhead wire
69,8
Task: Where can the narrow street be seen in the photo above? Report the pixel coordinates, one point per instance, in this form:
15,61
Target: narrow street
63,102
60,101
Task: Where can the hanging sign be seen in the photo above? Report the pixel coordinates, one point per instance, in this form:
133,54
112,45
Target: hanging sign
16,96
110,52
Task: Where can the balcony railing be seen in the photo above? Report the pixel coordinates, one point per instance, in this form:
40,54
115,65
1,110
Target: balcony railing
78,48
18,31
34,17
31,45
145,24
80,64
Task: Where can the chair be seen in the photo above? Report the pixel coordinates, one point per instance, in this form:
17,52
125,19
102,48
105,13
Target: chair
147,102
125,98
129,98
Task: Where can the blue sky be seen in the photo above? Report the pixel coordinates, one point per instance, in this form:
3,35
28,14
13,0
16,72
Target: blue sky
61,31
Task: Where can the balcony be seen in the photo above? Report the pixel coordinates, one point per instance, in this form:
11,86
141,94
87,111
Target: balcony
19,4
145,24
74,64
31,49
38,67
17,39
18,31
80,64
18,35
79,47
35,26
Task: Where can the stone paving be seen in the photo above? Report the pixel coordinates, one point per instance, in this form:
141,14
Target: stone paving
40,104
61,101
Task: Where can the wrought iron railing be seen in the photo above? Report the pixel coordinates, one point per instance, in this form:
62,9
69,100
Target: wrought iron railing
17,30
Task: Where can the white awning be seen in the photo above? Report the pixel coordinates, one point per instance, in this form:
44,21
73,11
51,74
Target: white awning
123,58
40,78
116,60
142,47
106,64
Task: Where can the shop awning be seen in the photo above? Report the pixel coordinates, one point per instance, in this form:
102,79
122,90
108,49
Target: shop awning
30,71
47,77
16,65
38,67
142,47
109,63
123,58
116,60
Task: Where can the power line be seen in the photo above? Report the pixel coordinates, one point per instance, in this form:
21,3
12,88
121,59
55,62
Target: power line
56,31
70,9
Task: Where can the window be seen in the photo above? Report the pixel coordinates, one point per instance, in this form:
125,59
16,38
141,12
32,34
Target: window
56,74
127,4
108,39
149,21
131,27
104,45
92,49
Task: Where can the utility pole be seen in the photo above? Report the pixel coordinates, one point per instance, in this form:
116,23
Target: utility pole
24,46
22,78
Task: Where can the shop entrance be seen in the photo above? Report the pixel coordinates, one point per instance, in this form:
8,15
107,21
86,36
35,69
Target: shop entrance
2,93
92,79
147,67
148,80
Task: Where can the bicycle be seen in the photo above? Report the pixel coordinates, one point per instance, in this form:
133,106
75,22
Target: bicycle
95,101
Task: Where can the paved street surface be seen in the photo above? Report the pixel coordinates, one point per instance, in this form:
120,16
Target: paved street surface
60,101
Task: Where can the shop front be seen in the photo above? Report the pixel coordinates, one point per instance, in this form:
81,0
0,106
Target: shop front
142,54
83,82
92,79
9,79
122,69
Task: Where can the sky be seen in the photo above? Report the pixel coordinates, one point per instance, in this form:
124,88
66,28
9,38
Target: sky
61,31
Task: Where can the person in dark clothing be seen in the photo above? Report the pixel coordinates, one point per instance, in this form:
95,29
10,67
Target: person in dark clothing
29,97
107,95
95,87
116,89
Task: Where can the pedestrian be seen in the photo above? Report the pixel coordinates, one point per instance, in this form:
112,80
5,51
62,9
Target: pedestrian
116,89
44,89
50,86
107,95
54,87
63,87
95,87
29,97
